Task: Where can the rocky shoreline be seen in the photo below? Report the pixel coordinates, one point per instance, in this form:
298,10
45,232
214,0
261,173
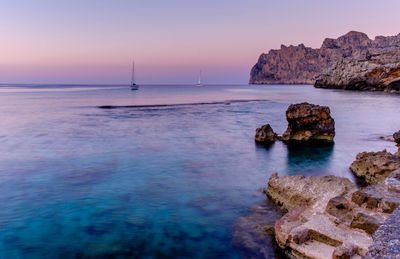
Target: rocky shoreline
329,216
380,72
302,65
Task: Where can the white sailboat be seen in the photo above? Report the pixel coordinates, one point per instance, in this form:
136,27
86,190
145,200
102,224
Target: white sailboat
199,83
134,86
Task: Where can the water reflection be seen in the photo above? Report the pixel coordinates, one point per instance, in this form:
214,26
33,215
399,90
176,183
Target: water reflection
310,159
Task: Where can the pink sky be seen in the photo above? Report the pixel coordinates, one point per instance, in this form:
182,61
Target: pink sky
94,42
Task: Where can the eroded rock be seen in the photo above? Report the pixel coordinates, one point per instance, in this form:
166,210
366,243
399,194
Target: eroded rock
379,72
307,122
375,167
302,65
265,134
293,191
328,217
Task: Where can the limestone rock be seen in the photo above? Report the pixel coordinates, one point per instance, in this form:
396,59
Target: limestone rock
291,192
302,65
375,167
265,134
329,217
380,72
309,122
368,223
387,239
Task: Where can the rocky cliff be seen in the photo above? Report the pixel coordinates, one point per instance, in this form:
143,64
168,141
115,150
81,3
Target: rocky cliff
380,72
302,65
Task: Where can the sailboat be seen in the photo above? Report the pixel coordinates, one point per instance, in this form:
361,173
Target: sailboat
199,81
134,86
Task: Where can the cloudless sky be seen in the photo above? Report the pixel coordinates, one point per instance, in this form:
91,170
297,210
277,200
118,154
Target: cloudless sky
94,41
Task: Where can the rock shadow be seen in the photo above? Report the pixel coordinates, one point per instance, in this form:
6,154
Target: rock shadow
310,159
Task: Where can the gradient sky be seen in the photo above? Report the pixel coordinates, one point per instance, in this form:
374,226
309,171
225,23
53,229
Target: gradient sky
94,41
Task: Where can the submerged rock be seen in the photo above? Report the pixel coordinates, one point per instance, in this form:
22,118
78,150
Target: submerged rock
265,134
309,122
253,234
379,72
375,167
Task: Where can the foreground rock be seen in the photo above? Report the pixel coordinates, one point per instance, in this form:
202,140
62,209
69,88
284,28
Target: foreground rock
386,239
328,217
265,134
375,167
309,122
379,72
302,65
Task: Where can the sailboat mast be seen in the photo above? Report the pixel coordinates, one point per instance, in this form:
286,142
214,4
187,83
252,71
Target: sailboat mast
199,82
133,72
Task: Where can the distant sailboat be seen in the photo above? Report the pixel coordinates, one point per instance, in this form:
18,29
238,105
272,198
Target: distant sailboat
199,83
134,86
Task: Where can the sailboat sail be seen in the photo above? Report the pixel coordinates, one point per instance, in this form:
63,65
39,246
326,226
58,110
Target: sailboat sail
134,86
133,73
199,81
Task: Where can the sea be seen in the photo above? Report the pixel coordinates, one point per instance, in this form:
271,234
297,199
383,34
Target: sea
168,171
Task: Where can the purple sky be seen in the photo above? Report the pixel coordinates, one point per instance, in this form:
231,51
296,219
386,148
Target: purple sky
94,41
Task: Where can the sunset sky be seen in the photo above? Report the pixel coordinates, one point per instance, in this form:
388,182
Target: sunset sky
83,41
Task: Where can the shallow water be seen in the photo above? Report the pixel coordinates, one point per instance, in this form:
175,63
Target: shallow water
158,181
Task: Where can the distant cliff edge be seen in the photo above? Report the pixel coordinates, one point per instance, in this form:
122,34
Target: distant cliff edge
302,65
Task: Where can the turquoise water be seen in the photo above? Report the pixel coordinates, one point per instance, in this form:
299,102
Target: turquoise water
153,181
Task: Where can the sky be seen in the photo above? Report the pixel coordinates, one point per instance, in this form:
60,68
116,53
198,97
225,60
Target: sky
95,41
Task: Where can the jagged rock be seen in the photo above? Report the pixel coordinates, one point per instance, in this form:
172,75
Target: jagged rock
379,72
309,122
265,134
328,217
396,137
375,167
302,65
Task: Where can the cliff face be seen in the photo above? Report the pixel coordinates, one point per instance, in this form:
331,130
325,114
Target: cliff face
379,72
302,65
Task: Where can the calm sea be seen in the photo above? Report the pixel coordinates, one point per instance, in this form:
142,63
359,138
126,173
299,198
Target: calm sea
167,173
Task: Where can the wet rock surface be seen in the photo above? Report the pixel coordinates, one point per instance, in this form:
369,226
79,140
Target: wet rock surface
379,72
265,134
302,65
375,167
309,122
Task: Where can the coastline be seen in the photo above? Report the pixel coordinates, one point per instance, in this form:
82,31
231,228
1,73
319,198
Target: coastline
330,217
